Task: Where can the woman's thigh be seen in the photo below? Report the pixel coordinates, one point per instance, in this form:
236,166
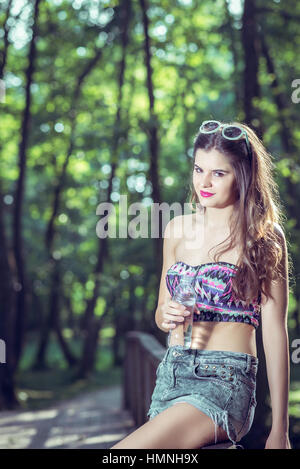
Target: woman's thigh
181,426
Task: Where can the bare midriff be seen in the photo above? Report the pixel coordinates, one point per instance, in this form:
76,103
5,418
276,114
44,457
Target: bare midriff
234,337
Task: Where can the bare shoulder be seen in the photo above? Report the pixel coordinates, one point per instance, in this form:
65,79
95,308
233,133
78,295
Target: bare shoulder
278,229
187,219
175,226
282,240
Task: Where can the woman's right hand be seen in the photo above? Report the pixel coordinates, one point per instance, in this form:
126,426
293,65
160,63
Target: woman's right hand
173,313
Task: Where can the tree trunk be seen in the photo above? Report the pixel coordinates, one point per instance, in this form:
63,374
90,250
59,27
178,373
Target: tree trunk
257,434
54,313
8,399
250,43
235,77
17,215
89,351
152,130
53,322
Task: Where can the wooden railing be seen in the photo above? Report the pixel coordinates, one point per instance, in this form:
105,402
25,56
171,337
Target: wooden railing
143,354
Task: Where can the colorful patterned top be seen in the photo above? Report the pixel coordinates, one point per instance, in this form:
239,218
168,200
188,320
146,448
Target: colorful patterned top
215,301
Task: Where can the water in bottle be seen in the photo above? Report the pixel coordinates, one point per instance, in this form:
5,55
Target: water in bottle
184,294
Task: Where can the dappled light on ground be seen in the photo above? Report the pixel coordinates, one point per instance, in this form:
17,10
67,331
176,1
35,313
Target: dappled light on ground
92,420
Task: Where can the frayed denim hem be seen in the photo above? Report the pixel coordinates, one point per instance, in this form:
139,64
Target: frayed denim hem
218,416
220,419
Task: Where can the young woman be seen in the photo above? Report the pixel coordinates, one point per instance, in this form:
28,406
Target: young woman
214,380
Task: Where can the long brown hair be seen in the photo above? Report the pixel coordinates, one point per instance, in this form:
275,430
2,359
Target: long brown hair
256,213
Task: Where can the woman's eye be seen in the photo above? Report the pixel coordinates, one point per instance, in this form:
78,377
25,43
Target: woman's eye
217,172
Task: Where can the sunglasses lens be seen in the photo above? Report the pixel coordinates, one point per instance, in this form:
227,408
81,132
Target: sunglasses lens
232,132
210,126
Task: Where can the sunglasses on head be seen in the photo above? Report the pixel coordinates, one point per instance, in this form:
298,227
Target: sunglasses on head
231,132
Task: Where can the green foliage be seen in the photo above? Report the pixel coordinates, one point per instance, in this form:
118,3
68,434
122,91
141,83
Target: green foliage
198,64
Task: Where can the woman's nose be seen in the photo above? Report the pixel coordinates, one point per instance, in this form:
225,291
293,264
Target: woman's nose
206,180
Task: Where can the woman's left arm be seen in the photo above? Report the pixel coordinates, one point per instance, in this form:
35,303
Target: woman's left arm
276,349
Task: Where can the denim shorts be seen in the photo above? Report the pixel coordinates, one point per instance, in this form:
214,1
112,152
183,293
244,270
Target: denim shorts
221,384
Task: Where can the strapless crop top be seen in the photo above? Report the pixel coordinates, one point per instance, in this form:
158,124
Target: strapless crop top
215,301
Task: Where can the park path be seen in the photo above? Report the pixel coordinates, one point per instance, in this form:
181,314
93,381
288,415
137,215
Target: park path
91,420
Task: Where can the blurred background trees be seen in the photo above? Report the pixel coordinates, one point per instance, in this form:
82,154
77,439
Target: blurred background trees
103,99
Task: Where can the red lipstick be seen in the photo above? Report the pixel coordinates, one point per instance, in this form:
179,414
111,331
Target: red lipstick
206,194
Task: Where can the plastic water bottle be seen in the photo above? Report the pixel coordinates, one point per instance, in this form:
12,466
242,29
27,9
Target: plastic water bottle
184,294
